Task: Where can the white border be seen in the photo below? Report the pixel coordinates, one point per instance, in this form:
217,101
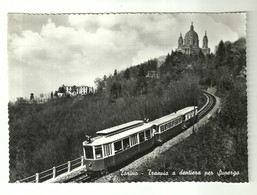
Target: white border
83,6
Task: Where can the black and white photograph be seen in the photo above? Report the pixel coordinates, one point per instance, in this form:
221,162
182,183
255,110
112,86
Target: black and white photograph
139,97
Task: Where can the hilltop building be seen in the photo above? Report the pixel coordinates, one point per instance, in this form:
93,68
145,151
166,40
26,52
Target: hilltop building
190,44
75,90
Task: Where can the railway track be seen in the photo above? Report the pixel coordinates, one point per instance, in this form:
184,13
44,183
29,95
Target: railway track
82,178
210,103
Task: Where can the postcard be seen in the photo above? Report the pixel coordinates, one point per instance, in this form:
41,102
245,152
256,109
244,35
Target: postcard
127,97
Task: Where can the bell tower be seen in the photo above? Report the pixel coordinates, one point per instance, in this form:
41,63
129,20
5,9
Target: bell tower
205,40
205,49
180,41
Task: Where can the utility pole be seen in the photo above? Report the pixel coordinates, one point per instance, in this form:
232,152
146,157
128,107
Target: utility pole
194,113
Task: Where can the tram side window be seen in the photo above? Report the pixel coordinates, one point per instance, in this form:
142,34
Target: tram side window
107,150
133,139
117,147
169,125
147,134
89,152
126,143
98,152
141,137
172,123
162,128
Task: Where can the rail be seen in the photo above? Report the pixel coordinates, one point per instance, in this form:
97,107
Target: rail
207,102
210,103
54,172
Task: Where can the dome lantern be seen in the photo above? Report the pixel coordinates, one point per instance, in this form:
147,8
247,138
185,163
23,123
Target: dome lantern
192,26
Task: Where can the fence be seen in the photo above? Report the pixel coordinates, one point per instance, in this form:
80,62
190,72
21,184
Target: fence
54,172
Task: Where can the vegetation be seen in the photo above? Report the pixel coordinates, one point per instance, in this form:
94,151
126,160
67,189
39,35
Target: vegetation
45,135
219,149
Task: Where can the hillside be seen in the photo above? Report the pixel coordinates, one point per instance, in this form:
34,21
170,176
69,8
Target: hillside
45,135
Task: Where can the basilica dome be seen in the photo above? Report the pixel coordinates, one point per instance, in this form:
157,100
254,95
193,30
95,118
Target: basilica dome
191,37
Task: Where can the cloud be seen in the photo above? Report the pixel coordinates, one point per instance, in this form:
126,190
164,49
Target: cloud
75,49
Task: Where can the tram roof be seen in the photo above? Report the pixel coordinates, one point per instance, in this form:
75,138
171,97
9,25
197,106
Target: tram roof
165,118
187,109
119,136
119,127
109,139
173,115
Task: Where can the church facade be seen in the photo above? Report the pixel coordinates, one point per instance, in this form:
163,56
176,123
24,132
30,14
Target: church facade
190,44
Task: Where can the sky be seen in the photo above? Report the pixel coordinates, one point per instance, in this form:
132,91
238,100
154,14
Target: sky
47,51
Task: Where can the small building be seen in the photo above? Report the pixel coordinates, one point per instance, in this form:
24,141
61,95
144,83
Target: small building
75,90
61,94
152,74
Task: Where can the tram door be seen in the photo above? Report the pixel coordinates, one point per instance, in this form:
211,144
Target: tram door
156,133
184,122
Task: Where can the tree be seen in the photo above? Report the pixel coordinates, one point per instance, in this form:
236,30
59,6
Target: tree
224,78
141,72
32,96
238,52
56,94
115,72
52,95
114,91
41,96
127,74
62,89
220,55
100,85
74,88
141,86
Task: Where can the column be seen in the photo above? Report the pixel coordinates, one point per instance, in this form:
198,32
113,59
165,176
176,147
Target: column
54,172
37,177
69,166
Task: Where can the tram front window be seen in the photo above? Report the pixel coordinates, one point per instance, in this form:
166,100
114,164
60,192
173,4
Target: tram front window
98,152
89,152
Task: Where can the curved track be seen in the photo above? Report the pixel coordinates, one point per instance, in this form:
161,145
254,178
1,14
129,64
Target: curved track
210,103
203,111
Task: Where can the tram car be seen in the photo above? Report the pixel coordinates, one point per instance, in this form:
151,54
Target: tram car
113,146
173,124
